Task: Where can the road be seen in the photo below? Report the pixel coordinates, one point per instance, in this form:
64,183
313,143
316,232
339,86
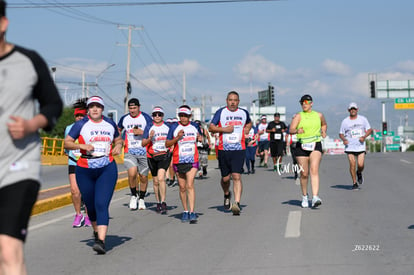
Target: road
366,231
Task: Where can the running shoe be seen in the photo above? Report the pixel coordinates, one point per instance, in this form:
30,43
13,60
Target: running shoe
235,208
87,222
175,182
316,201
204,171
163,208
158,207
185,217
168,182
133,202
99,247
265,165
193,218
95,235
141,204
355,186
78,221
227,201
360,178
253,171
305,202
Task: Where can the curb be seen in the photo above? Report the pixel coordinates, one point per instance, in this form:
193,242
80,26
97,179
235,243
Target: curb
60,201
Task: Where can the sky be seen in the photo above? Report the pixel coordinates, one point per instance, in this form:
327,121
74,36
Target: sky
323,48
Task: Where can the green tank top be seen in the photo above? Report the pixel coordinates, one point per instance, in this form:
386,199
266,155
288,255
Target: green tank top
311,124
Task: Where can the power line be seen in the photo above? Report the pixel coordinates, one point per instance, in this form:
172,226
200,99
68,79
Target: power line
123,4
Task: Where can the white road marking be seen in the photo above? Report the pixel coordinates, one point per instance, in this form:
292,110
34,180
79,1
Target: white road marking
293,224
405,161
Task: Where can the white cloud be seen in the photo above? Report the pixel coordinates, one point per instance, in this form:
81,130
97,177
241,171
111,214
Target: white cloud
405,66
335,67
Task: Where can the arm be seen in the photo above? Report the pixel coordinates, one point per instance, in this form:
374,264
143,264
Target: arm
294,124
174,140
118,146
343,138
324,126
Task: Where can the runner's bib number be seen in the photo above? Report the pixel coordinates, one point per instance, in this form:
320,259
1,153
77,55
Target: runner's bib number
308,146
233,138
356,133
187,149
101,148
278,136
135,143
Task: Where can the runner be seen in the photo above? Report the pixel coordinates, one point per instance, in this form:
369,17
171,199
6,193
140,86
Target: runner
171,175
263,149
309,126
353,132
29,102
73,156
184,135
159,156
203,149
276,129
231,122
251,147
96,170
132,127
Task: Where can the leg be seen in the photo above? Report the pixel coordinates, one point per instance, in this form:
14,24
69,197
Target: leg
314,160
162,185
304,175
225,184
237,186
132,180
183,190
361,161
190,175
352,167
155,184
11,255
76,195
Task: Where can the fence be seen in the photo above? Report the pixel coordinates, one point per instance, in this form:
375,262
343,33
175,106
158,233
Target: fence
52,147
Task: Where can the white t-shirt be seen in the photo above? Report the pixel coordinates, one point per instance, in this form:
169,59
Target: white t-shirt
353,129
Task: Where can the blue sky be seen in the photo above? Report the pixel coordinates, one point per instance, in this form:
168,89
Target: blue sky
325,48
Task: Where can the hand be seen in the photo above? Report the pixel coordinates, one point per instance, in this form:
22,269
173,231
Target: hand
228,129
117,149
138,132
18,129
301,131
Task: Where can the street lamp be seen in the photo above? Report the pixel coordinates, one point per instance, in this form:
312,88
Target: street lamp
100,75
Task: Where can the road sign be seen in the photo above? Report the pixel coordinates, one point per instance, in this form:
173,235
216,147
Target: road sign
264,98
404,103
393,147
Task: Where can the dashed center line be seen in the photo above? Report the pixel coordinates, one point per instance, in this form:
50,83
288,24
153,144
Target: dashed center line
293,224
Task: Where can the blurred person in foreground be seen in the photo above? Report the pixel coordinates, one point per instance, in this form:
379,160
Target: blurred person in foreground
30,101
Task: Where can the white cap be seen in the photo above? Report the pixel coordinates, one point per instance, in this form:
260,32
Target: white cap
352,105
184,110
263,117
157,109
95,99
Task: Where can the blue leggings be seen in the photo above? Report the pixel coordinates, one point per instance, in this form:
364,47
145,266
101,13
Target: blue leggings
97,187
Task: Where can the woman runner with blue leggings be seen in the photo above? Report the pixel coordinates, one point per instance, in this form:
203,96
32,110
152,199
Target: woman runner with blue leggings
96,172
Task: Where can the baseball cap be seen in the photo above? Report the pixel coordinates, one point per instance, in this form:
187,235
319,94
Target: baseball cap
305,97
277,114
133,102
79,111
95,99
184,110
157,109
263,117
352,105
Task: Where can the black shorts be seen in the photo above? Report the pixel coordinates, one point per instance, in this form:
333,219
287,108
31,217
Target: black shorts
16,203
231,161
355,153
276,148
304,153
159,162
71,169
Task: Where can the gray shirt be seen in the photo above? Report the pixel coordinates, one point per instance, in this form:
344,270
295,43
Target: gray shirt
25,87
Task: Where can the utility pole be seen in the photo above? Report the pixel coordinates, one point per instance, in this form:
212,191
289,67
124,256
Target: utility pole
129,45
184,88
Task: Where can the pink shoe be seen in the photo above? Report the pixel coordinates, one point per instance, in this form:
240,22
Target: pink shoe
78,221
87,222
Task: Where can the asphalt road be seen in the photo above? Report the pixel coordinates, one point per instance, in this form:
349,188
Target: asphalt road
366,231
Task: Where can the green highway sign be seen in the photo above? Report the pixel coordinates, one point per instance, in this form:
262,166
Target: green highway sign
404,103
393,147
404,100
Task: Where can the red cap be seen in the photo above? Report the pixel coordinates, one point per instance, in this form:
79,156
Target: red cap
79,111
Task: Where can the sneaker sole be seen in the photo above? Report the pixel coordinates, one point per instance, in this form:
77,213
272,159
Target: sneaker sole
235,210
99,249
193,221
318,203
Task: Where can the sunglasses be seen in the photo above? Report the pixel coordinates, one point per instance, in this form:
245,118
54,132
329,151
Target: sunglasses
183,115
157,114
352,109
307,101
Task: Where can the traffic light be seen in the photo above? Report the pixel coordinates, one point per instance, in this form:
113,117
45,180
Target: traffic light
372,86
129,88
272,94
384,129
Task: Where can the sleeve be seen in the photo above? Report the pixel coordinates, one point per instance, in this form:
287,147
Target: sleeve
170,134
146,131
216,118
342,129
121,122
367,125
45,91
248,120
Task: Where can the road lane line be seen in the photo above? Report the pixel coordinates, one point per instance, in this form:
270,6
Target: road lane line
405,161
293,224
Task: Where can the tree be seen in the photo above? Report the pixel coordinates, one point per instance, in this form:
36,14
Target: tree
65,119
